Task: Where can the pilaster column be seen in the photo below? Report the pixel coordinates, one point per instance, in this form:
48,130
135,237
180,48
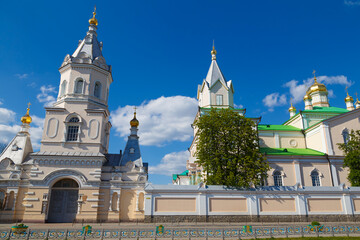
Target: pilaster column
298,177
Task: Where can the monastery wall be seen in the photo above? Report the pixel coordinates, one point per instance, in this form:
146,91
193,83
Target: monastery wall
218,203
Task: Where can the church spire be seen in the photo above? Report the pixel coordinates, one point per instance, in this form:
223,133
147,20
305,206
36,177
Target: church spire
213,52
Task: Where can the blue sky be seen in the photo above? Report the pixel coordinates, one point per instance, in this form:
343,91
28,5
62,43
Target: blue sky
160,52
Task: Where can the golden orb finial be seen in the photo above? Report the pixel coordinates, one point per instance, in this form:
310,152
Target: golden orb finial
213,52
134,122
93,20
26,118
292,108
348,97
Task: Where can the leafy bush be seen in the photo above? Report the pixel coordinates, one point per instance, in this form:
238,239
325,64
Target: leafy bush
315,223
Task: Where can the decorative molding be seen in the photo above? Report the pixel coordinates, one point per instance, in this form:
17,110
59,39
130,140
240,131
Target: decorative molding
31,199
27,205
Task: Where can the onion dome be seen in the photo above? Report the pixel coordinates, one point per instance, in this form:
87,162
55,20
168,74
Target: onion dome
213,53
134,122
349,98
316,87
292,108
26,118
307,97
93,20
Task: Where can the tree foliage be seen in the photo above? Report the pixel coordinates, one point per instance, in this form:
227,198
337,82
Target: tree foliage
227,149
351,150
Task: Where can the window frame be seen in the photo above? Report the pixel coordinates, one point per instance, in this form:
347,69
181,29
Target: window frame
76,86
278,178
72,125
219,97
315,182
97,92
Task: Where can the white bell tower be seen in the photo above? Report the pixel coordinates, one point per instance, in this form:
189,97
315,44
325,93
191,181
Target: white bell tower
79,119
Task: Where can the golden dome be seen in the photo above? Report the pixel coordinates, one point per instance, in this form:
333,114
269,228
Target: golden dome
307,97
93,20
26,118
292,108
349,98
213,52
134,122
316,87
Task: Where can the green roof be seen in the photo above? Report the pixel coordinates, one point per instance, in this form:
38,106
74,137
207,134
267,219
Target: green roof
326,110
291,151
184,173
268,127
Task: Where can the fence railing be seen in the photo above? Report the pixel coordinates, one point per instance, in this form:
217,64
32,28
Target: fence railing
188,233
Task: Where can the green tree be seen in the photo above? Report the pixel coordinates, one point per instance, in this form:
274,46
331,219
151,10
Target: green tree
351,150
228,149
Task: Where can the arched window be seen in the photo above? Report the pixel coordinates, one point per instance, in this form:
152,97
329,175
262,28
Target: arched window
97,90
2,200
73,127
63,88
79,85
278,181
345,134
315,178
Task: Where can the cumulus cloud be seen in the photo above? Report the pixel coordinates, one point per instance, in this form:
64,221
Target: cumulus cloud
6,116
46,95
297,90
22,76
162,120
352,2
274,99
174,162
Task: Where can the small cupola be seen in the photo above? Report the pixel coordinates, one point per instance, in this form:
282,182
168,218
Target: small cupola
349,101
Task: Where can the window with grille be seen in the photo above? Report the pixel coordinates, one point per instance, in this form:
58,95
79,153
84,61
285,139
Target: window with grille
278,181
73,127
315,178
72,134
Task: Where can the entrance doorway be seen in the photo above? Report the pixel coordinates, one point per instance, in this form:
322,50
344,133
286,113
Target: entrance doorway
63,201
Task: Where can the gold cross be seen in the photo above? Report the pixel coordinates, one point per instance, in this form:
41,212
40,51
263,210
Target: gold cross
135,109
29,105
314,73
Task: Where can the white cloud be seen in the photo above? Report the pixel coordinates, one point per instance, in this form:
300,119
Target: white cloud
174,162
162,120
6,116
352,3
8,132
274,99
22,76
297,90
238,106
45,95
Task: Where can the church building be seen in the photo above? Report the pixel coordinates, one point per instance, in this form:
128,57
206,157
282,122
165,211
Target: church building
73,178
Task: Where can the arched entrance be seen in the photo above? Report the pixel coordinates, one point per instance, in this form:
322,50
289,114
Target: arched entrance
63,201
